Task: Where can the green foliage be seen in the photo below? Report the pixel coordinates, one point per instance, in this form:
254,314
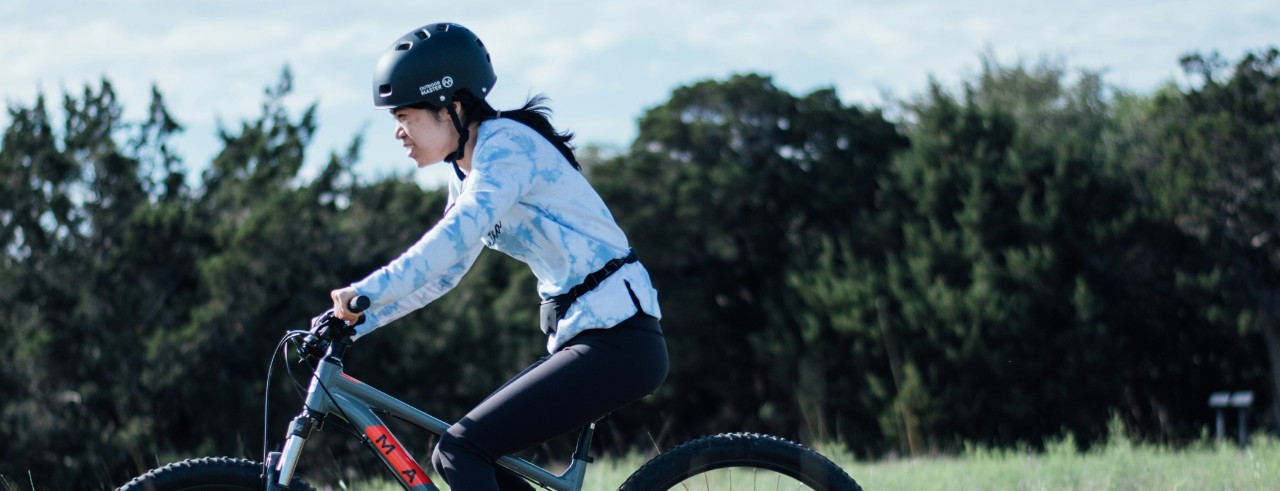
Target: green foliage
1011,263
1212,168
1010,226
727,189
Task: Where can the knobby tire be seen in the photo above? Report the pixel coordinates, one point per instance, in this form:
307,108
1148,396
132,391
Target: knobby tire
207,474
749,452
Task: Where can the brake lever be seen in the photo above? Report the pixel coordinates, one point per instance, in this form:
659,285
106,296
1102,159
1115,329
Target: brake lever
314,345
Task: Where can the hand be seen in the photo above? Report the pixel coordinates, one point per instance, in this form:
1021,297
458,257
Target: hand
341,299
329,327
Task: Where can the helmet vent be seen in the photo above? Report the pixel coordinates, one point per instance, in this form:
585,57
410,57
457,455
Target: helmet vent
422,34
404,46
442,27
384,90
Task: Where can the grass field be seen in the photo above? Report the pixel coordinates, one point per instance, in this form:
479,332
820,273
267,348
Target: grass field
1117,465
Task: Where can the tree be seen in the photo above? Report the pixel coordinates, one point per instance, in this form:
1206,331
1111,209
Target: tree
1022,246
1009,262
1212,170
723,193
36,212
73,278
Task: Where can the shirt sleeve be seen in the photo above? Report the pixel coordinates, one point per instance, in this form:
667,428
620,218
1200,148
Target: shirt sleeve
502,172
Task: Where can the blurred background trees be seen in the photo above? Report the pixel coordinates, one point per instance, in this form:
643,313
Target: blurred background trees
1016,258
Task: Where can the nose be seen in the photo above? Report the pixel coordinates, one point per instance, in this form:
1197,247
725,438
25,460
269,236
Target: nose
400,133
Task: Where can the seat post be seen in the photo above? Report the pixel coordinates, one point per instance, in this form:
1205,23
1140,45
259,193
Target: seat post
581,451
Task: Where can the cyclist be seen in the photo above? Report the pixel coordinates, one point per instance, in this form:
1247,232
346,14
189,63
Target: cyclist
516,188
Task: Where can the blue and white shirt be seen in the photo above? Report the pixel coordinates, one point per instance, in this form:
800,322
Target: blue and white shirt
523,198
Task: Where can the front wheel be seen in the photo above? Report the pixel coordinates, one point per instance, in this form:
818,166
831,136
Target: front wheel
739,461
207,474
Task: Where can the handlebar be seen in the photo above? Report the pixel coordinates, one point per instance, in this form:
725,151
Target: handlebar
315,343
358,304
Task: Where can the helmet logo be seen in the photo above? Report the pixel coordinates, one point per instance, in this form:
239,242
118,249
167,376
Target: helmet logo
443,83
432,87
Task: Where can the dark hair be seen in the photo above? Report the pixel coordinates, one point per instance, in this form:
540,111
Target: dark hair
534,114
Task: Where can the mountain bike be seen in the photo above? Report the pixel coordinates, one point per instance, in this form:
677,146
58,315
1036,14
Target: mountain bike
739,461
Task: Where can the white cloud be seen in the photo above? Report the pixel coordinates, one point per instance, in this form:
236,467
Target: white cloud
601,62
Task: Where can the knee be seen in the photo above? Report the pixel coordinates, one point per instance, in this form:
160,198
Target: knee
451,449
444,453
438,460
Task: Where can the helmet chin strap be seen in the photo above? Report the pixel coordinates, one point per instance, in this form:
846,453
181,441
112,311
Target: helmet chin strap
463,135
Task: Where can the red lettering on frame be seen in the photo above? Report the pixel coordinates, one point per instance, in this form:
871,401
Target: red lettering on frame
353,379
399,459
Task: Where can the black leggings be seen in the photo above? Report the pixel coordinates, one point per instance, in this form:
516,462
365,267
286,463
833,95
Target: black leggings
597,372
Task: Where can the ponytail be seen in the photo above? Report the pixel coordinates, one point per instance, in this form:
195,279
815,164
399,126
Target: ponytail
534,114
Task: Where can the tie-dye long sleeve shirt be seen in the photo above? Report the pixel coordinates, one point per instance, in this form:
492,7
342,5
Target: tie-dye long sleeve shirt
523,198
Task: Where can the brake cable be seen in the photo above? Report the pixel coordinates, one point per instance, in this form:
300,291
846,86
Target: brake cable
266,391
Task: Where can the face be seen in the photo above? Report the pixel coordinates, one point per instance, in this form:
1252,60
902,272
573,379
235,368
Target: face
428,137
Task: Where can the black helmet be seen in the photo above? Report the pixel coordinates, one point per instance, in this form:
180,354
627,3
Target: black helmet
430,64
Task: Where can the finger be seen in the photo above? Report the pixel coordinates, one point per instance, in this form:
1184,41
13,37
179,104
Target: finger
340,308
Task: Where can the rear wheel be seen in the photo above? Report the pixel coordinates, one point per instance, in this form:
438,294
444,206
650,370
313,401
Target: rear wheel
740,461
207,474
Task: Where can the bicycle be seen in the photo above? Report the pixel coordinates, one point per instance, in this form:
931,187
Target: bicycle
332,393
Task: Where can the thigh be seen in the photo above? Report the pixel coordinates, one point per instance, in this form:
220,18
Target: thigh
598,372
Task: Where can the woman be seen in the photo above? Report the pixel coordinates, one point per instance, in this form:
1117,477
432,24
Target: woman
518,189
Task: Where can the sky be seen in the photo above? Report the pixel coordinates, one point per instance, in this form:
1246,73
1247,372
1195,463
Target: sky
602,63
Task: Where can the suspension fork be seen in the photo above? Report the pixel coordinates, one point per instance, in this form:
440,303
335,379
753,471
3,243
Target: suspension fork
281,465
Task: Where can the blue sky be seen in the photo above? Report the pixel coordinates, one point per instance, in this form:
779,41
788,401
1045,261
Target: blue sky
601,63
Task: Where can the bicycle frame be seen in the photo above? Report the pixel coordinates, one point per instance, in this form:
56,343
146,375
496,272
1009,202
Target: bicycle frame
335,393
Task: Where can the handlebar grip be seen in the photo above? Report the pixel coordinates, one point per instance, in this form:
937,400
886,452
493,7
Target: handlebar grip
358,304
